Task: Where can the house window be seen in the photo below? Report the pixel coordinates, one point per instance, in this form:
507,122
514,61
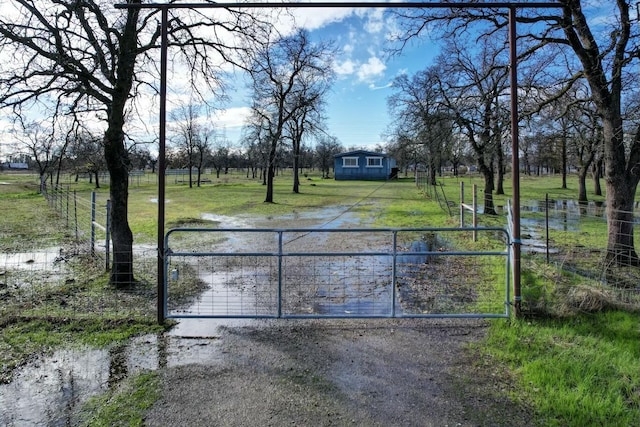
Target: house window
374,162
350,162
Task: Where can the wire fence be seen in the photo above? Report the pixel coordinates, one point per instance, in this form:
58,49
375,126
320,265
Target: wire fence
67,277
570,240
434,192
565,261
562,240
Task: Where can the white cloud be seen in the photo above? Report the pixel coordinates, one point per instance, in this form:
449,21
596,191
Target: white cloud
374,87
345,68
348,48
374,67
313,19
231,118
375,21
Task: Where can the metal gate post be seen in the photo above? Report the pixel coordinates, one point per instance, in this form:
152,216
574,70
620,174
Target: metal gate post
394,273
107,242
93,223
280,232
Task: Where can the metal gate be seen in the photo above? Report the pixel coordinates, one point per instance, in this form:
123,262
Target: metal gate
336,273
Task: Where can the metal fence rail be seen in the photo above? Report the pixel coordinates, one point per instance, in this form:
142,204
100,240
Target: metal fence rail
337,273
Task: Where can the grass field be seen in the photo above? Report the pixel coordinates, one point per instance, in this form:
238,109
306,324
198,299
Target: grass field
577,370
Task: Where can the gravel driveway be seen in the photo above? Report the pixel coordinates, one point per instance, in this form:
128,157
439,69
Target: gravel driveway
382,372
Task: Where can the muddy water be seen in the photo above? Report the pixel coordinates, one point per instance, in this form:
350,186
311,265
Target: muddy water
51,390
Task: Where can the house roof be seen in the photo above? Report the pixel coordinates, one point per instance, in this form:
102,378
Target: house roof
360,153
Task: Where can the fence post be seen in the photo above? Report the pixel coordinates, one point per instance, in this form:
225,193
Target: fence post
108,235
75,213
93,226
67,213
475,212
546,218
461,204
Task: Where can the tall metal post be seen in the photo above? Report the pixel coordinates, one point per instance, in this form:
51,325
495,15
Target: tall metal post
515,159
93,224
161,163
107,238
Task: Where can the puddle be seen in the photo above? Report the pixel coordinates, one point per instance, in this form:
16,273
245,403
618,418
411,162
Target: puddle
48,259
50,391
228,221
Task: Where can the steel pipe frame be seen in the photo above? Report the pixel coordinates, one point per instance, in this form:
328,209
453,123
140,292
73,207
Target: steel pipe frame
513,63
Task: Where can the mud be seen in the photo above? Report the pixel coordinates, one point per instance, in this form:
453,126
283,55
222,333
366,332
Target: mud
337,372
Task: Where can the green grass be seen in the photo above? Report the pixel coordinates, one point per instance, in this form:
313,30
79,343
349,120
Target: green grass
26,220
581,371
124,405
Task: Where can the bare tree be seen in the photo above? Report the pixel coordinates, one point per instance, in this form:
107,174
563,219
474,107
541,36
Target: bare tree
87,153
288,78
606,58
471,84
220,155
421,119
39,141
307,105
192,139
326,148
583,133
91,58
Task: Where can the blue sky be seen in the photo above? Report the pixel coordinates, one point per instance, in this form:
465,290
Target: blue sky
356,106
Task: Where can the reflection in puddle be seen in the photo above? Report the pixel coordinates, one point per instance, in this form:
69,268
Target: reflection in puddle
51,390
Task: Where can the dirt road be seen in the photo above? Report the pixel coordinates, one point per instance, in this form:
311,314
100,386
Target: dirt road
413,372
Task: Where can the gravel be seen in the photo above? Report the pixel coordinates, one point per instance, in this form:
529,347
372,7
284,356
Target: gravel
377,372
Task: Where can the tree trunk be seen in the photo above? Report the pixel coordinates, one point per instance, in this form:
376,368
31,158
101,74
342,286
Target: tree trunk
564,162
582,184
296,161
621,188
271,171
620,221
487,173
121,237
597,174
117,157
432,176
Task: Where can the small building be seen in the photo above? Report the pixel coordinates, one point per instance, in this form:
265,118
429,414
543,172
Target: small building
364,165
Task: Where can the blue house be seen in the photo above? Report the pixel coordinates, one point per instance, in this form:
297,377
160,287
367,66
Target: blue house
364,165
